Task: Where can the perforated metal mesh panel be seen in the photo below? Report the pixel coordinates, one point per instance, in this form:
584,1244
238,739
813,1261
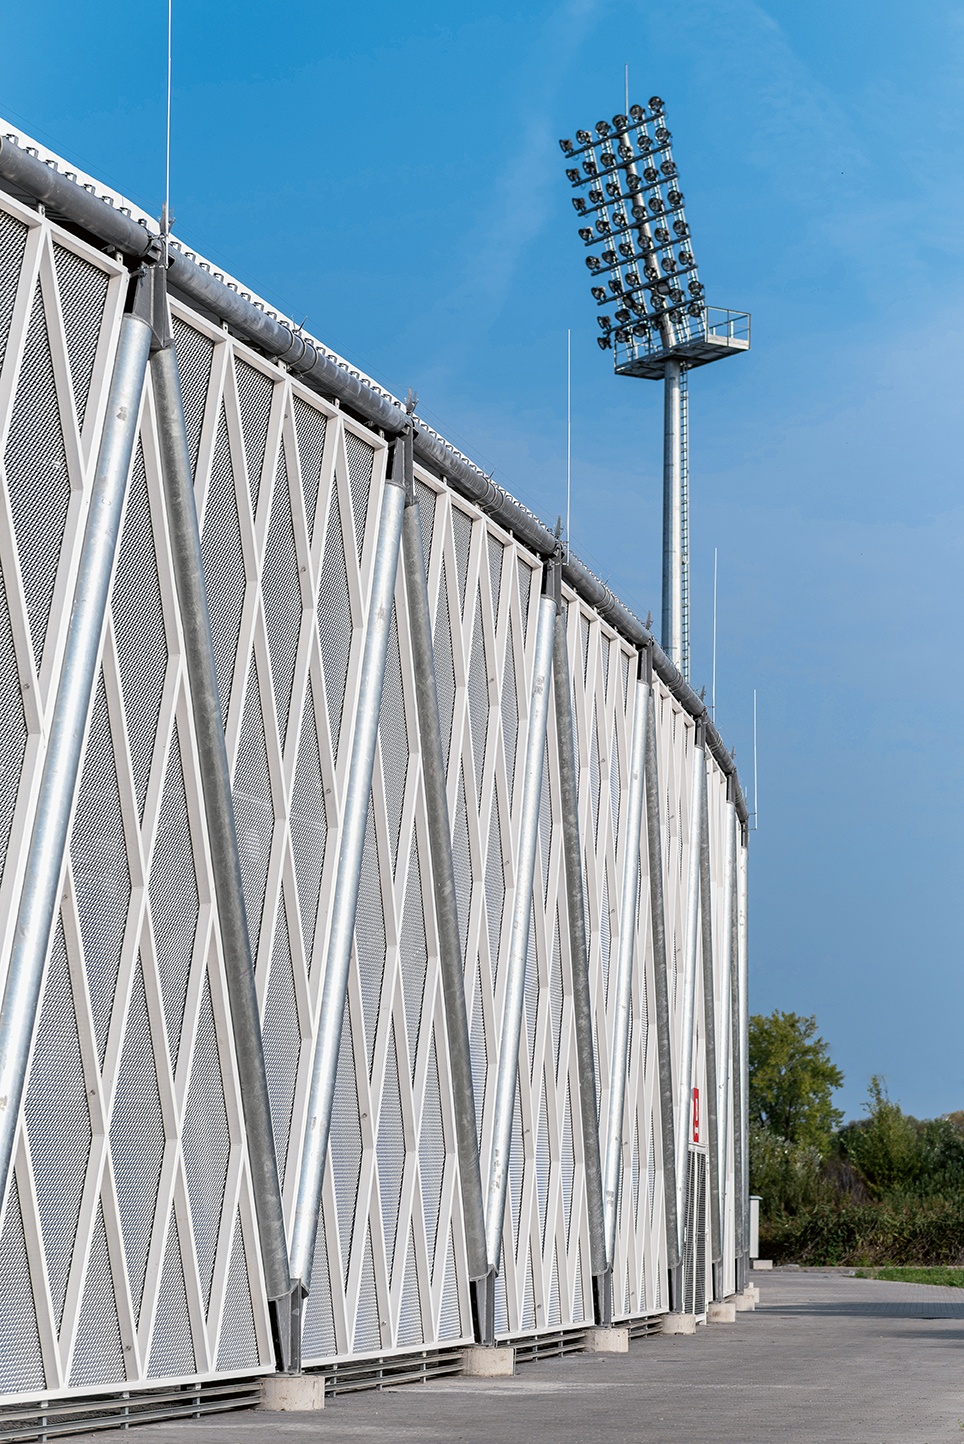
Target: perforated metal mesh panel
129,1240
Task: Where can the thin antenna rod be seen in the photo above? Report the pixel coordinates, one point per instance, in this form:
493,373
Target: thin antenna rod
568,435
756,819
166,217
627,89
713,689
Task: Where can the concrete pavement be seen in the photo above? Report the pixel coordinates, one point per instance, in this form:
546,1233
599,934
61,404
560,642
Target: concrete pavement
825,1359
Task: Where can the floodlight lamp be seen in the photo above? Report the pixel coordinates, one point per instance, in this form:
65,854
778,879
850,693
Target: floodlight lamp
603,128
656,105
668,167
661,287
632,278
675,198
583,137
593,262
656,205
640,329
602,342
623,315
661,234
626,249
587,234
625,151
574,175
644,143
637,112
566,147
681,229
695,309
622,334
603,227
599,293
663,135
620,121
633,184
589,166
619,220
695,288
669,263
616,285
605,322
596,196
607,158
612,189
686,258
579,204
639,213
609,257
650,174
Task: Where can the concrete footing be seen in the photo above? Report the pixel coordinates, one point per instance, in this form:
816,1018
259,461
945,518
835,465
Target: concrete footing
607,1341
761,1263
480,1362
721,1311
743,1303
293,1393
679,1323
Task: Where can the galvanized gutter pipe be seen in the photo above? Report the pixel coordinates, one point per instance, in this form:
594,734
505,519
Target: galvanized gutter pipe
664,1045
709,1043
518,949
182,518
582,1012
625,957
741,1098
29,178
446,900
47,852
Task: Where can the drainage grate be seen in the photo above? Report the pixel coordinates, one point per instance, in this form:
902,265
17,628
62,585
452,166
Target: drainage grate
388,1372
57,1418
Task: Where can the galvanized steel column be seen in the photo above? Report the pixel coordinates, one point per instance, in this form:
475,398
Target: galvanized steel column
691,940
446,900
521,911
347,880
742,870
182,518
664,1043
579,966
629,895
709,1043
726,1084
47,851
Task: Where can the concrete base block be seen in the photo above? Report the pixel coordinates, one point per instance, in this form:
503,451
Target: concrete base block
752,1291
679,1323
480,1362
607,1341
744,1303
761,1263
723,1311
293,1393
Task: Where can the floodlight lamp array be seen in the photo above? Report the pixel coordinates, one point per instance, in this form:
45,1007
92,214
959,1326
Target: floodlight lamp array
645,270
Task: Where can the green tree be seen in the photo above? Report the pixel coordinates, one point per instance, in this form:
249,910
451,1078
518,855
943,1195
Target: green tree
792,1080
888,1146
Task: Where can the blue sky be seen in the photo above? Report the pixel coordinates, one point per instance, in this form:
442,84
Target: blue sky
392,174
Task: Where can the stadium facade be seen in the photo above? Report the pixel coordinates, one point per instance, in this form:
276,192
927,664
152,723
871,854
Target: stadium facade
375,975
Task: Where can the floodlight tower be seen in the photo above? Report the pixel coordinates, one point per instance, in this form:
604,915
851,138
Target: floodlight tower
661,326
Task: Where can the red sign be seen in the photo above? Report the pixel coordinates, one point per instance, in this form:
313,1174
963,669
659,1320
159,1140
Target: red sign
696,1115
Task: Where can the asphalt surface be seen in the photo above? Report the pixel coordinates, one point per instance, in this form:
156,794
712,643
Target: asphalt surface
825,1359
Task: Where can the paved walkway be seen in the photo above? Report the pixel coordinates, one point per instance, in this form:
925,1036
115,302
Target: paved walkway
825,1359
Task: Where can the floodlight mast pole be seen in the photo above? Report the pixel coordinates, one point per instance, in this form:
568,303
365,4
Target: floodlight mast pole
672,622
